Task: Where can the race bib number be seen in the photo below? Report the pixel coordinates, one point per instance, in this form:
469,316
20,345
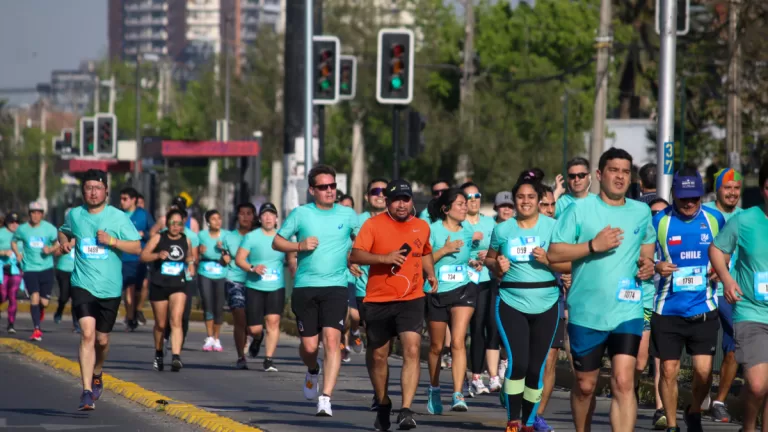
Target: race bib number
521,248
36,242
213,268
272,275
172,268
690,279
629,291
91,249
473,275
452,273
761,286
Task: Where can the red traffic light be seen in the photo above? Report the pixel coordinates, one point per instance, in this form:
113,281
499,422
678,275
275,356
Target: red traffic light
67,136
397,50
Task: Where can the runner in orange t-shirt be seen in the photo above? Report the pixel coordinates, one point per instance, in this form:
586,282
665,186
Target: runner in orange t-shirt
396,246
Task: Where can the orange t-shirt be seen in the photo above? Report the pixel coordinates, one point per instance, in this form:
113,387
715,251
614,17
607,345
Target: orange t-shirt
382,235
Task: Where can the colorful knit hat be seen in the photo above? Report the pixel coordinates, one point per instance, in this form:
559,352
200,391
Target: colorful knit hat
725,175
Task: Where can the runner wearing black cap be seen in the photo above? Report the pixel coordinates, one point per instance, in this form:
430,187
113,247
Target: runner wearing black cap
99,233
265,283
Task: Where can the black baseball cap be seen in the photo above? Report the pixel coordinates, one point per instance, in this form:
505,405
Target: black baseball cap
397,188
267,207
180,203
95,175
11,218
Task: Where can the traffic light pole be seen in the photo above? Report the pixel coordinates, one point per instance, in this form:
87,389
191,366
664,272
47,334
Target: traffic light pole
665,139
137,162
396,142
321,134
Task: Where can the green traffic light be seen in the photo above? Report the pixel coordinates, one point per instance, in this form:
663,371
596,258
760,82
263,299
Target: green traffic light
345,86
396,82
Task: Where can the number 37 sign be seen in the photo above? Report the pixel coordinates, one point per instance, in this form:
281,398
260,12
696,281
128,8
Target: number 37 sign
669,157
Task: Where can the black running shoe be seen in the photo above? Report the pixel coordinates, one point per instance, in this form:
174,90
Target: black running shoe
176,365
158,364
254,348
692,420
405,419
659,420
383,423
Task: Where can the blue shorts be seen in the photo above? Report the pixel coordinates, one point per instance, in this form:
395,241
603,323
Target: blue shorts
726,322
40,282
589,345
134,273
235,294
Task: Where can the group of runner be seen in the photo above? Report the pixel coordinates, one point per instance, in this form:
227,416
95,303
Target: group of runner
554,269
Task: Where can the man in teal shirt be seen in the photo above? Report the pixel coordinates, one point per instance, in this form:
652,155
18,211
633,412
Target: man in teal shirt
100,234
745,286
610,241
728,193
38,240
324,232
579,180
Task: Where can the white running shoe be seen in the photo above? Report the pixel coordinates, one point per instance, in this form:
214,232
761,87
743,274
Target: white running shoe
217,345
208,346
310,388
466,389
478,387
503,369
495,384
324,407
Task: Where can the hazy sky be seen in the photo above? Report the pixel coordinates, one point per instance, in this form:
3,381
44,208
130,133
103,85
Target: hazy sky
38,36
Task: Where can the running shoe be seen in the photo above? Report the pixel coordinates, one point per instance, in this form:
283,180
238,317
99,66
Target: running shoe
503,369
405,419
217,346
310,386
208,345
97,387
57,318
132,325
495,384
692,420
241,364
478,387
357,343
383,423
540,425
659,419
141,318
434,402
37,335
158,364
345,357
324,407
254,348
269,365
176,364
514,426
374,404
458,403
10,329
467,389
448,361
720,413
86,401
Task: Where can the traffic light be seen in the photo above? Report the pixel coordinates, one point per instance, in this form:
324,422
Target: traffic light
87,137
683,16
414,132
106,135
64,144
327,50
348,78
394,67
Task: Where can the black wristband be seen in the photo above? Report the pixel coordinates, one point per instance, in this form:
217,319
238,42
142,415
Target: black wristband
591,249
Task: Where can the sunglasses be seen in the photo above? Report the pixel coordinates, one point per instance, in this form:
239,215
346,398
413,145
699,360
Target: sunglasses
325,187
438,192
376,191
577,175
474,196
175,223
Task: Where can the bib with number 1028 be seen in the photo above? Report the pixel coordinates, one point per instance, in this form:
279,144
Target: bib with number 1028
761,286
629,291
91,249
452,273
693,278
521,248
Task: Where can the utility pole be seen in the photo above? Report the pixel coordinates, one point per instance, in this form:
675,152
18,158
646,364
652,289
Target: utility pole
467,87
665,138
137,162
41,196
603,44
733,119
112,94
318,30
97,96
308,78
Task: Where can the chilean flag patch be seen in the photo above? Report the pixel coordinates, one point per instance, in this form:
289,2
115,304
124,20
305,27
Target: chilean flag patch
675,240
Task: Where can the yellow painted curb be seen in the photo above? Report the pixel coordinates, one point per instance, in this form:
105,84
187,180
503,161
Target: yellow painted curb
183,411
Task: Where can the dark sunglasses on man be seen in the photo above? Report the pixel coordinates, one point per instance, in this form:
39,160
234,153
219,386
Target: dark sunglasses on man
325,187
437,193
581,175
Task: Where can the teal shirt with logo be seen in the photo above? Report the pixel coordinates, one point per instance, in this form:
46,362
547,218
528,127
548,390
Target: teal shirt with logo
605,291
362,281
232,241
485,226
748,232
209,261
565,201
326,266
517,244
33,240
452,269
735,255
98,268
259,247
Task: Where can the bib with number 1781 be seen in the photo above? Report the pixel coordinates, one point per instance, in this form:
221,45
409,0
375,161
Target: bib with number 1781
521,248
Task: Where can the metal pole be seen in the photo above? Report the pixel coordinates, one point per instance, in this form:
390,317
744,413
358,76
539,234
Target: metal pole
604,41
97,96
396,142
136,170
565,132
682,120
308,74
227,82
318,23
665,138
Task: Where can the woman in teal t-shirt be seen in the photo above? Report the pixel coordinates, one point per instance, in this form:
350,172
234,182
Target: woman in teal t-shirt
213,269
527,309
453,301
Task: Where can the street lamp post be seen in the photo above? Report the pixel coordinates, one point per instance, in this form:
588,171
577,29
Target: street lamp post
136,165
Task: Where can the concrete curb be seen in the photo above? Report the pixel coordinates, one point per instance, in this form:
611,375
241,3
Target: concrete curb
182,411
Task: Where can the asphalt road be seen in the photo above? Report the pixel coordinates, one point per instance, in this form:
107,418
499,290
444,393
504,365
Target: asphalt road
270,401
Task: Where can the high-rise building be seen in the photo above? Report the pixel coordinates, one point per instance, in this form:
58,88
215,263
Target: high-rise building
73,90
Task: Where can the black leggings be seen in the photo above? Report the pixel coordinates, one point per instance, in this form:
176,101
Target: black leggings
527,339
64,279
212,295
482,327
